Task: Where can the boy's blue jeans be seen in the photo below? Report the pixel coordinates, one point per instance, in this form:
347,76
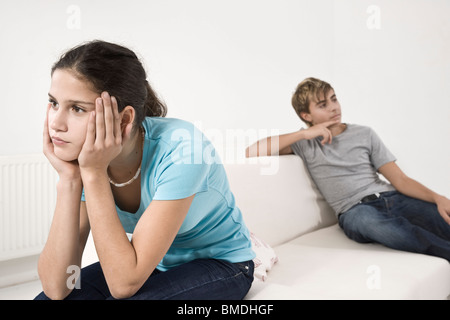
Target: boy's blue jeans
200,279
399,222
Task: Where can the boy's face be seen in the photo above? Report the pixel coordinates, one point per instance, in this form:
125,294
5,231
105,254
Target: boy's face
324,109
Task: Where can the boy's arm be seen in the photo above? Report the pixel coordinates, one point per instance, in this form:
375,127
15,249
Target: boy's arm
414,189
275,145
279,145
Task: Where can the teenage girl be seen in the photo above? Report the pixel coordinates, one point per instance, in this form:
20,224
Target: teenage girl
125,168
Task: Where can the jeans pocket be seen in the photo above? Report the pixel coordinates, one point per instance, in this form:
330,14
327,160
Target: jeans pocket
247,267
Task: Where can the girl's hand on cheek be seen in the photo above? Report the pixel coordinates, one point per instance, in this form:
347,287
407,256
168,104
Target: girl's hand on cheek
103,137
65,169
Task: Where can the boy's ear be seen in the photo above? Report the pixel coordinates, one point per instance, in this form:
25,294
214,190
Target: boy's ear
306,116
126,120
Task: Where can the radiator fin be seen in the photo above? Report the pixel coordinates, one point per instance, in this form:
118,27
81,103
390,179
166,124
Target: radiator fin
27,201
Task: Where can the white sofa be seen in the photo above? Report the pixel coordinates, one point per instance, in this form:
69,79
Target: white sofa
283,208
315,260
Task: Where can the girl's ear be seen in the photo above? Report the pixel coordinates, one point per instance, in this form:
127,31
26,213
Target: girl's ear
126,123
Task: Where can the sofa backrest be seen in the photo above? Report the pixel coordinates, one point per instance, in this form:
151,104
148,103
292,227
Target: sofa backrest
277,198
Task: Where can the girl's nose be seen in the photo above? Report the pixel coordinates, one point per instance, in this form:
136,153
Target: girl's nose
57,120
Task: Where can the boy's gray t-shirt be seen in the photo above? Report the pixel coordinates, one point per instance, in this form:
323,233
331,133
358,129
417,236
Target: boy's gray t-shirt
345,171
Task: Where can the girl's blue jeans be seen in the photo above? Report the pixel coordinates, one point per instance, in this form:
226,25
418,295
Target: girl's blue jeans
201,279
399,222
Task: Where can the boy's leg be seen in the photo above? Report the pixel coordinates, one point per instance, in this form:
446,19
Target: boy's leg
419,213
372,222
200,279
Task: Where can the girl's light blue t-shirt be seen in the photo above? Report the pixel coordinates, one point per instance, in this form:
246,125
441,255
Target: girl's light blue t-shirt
178,161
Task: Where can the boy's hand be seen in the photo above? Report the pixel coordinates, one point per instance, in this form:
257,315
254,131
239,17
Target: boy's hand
443,206
321,130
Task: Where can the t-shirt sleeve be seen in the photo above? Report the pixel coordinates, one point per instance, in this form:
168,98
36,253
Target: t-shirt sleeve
182,172
297,148
380,154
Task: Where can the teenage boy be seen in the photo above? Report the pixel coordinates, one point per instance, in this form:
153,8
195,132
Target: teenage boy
343,160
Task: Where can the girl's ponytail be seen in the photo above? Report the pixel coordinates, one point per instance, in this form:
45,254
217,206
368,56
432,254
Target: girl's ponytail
153,106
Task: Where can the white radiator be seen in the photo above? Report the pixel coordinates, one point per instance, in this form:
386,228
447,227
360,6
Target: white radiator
27,201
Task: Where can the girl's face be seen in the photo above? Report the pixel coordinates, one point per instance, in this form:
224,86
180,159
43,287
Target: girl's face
71,100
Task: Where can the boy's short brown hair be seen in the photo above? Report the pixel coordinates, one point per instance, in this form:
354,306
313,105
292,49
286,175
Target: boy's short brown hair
309,90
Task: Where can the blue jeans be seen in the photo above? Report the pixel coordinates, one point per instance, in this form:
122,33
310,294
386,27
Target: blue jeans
200,279
399,222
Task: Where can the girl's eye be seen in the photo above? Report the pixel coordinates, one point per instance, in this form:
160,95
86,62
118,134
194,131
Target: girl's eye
53,104
77,109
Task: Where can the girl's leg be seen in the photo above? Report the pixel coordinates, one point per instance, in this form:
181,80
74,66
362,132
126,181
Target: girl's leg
200,279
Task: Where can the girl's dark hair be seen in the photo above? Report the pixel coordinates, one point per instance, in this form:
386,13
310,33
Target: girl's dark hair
117,70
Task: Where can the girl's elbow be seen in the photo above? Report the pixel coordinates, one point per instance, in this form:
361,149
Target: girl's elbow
53,288
123,291
54,292
124,288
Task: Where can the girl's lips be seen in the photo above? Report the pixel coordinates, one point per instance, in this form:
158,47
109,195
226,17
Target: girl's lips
58,141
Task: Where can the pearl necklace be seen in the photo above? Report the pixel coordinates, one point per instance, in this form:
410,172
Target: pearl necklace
119,185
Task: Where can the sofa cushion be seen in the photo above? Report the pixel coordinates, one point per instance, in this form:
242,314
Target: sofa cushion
265,257
325,264
277,198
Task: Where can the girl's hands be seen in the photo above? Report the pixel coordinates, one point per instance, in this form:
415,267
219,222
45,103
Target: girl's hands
65,169
103,138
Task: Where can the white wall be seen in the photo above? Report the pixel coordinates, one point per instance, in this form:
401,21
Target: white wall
396,79
231,66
